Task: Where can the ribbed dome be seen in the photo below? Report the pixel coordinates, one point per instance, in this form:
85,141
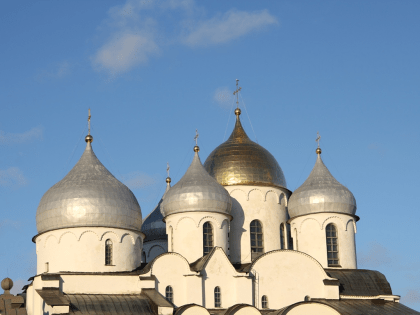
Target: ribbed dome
153,226
240,161
89,195
196,191
321,192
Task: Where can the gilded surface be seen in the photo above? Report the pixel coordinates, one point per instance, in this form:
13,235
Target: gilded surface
321,192
196,191
240,161
89,195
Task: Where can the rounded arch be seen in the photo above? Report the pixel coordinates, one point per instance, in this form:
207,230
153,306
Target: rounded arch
154,246
225,222
67,232
131,237
184,218
87,231
48,237
241,190
242,309
310,307
331,219
307,219
354,225
110,233
256,189
210,219
274,192
191,309
283,199
152,263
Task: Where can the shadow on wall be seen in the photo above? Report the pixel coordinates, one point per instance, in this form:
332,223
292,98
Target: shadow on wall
236,231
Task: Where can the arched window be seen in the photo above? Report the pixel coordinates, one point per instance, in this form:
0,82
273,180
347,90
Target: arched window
257,241
108,252
289,238
282,245
143,257
169,294
217,297
332,245
264,301
207,238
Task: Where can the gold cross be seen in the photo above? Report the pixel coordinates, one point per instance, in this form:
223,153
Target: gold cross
89,122
167,168
237,93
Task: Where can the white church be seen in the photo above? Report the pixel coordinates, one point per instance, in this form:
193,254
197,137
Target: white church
228,238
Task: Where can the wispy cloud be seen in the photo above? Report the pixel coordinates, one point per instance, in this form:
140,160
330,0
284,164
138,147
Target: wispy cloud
56,71
137,180
15,224
12,178
411,297
28,136
231,25
376,255
223,96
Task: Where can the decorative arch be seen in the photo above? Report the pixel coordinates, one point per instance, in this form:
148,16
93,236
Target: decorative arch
46,239
177,223
354,225
117,238
150,249
274,192
225,221
67,232
307,219
241,190
131,236
283,199
256,189
87,231
219,225
152,263
329,219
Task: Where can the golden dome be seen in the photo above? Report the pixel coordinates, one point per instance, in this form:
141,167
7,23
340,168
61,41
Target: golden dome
241,161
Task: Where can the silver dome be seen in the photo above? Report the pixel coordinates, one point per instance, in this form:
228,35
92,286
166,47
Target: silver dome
89,195
321,192
196,191
153,226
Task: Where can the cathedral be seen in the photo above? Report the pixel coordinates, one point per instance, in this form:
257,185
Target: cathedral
228,238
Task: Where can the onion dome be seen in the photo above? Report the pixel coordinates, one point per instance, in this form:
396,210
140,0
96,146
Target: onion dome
241,161
89,195
153,226
196,191
321,192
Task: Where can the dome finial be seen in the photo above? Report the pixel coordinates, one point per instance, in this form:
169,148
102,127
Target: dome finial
168,179
89,138
196,147
318,150
237,110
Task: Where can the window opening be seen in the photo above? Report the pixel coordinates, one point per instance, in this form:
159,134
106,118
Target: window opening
257,241
264,301
108,252
217,297
207,238
282,236
169,294
332,245
289,238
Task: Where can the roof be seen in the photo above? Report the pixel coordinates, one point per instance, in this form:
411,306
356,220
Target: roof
111,304
89,195
360,282
357,307
241,161
321,192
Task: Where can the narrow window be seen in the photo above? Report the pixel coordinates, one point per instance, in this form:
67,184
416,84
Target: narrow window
108,252
332,245
289,238
207,238
282,236
217,297
143,257
169,294
257,241
264,301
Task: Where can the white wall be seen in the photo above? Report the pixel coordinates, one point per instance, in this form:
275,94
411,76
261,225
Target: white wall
185,232
268,205
83,250
311,237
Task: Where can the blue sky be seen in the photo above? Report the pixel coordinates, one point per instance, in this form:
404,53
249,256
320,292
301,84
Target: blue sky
153,71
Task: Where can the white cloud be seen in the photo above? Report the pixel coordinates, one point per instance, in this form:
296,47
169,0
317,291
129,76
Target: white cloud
231,25
12,177
11,138
137,180
56,71
224,97
125,51
412,297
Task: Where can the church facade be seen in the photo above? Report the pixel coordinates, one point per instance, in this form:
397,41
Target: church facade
228,238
